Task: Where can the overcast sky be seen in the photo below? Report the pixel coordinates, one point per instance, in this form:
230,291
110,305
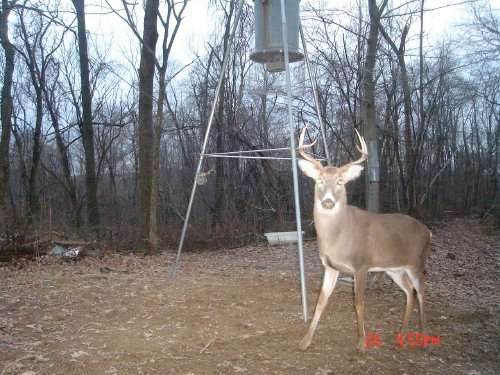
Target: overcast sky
197,21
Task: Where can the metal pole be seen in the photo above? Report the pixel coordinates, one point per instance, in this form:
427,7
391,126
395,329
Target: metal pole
315,94
205,141
303,288
245,157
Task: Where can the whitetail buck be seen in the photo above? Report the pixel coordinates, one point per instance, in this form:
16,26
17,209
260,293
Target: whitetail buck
357,242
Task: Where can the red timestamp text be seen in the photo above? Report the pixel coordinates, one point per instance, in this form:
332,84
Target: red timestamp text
418,340
372,339
410,340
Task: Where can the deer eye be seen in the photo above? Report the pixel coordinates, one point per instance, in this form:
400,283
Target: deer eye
340,182
320,181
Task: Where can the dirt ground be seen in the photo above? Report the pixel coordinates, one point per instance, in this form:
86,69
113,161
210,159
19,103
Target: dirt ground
239,311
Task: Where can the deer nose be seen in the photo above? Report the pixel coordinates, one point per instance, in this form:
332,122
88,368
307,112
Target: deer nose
328,204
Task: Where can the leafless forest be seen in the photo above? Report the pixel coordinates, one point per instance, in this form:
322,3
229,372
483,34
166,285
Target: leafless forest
100,138
102,144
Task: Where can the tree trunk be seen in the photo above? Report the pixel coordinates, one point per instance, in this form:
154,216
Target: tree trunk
37,80
168,39
410,151
369,111
33,202
158,131
146,131
218,214
6,111
93,218
416,208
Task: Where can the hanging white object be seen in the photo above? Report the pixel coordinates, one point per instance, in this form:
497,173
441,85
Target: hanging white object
202,177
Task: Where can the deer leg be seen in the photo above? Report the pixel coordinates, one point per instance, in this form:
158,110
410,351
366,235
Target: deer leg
401,278
359,301
329,281
418,280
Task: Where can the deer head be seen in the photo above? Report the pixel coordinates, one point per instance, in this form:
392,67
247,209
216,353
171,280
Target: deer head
330,191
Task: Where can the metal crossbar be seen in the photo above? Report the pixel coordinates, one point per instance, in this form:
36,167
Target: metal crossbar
241,154
251,151
247,157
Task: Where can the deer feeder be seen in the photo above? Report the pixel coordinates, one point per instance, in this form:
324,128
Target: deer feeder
269,47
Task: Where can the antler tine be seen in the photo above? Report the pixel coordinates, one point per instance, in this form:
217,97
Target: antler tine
363,150
302,146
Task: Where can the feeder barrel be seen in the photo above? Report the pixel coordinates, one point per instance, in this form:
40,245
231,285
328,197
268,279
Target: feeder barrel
268,33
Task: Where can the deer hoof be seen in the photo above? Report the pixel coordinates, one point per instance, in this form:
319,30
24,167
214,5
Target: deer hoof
361,346
304,344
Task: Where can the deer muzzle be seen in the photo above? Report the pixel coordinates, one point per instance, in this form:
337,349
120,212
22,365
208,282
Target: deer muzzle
327,203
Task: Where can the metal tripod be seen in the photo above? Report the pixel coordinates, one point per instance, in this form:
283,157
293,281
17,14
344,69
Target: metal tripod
293,156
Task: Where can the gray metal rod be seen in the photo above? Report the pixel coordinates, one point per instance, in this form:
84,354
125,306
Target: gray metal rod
246,157
250,151
303,288
207,133
315,94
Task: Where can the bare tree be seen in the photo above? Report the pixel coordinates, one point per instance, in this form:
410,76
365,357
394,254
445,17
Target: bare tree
169,34
69,185
6,109
146,130
93,218
369,110
170,22
482,31
411,152
38,47
220,128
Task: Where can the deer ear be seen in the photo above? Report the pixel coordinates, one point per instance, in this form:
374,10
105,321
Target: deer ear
309,169
352,172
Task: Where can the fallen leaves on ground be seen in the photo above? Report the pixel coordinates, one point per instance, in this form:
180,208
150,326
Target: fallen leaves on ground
239,311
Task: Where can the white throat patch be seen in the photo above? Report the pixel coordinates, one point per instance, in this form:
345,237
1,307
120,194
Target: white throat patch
320,209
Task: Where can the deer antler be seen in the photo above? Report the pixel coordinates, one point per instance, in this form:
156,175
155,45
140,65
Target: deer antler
302,146
363,150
